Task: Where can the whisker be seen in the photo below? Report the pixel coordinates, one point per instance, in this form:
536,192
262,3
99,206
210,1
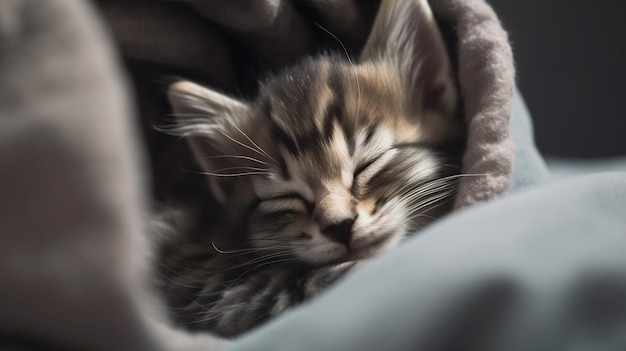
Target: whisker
241,167
234,174
200,121
397,191
429,188
263,152
345,50
249,250
258,267
429,201
174,280
243,145
437,181
426,191
252,261
438,184
241,157
261,259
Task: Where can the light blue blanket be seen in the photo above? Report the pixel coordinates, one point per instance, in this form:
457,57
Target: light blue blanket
542,269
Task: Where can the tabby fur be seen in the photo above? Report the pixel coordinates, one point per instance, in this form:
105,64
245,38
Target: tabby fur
334,161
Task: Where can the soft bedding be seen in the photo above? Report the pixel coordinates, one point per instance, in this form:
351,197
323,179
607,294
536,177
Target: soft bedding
541,268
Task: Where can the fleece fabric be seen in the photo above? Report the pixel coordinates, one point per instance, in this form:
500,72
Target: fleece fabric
539,269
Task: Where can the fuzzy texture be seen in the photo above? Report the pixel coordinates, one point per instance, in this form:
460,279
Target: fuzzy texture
487,81
335,160
72,201
72,257
41,102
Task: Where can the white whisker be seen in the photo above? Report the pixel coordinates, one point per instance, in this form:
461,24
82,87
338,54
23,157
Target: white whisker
234,174
240,252
240,157
242,144
429,201
253,143
249,168
356,76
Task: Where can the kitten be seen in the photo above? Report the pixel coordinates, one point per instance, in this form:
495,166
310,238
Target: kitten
333,162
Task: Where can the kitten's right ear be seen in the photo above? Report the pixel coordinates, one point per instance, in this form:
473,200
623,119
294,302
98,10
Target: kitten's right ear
206,118
406,34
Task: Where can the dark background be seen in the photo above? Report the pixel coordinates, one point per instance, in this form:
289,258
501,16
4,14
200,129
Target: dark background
571,67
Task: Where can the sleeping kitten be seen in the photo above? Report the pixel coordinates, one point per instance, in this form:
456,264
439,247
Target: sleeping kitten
333,162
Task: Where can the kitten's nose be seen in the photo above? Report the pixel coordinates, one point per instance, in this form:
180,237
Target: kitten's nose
341,232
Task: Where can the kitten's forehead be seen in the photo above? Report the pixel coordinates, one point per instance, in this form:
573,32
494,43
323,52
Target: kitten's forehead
309,108
327,117
332,88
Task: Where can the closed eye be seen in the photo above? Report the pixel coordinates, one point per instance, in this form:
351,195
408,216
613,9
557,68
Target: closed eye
290,197
287,196
365,171
360,169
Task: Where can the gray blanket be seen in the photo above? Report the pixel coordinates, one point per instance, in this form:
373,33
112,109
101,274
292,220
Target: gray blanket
540,269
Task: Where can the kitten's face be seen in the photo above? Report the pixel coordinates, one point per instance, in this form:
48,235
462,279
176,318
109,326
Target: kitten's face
351,169
332,161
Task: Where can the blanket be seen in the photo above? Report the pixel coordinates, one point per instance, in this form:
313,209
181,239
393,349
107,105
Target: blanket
71,183
542,269
79,84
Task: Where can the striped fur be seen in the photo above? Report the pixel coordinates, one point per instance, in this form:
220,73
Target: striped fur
333,162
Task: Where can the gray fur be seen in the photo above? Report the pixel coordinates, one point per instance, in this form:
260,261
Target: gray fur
332,163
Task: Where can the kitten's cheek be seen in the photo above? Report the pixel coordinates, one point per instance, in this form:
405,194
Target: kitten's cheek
320,251
366,207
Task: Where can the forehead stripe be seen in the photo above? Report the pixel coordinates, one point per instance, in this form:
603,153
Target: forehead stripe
331,114
281,135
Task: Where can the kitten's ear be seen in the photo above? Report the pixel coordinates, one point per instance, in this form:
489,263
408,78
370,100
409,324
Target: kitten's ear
196,106
205,118
406,34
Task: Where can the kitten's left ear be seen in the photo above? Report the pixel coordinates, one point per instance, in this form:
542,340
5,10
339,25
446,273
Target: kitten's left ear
196,106
206,118
406,34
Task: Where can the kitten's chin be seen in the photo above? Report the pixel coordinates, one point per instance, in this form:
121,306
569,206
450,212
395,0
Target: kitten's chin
368,251
323,257
359,250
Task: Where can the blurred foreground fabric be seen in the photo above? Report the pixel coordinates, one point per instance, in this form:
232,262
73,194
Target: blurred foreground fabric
542,268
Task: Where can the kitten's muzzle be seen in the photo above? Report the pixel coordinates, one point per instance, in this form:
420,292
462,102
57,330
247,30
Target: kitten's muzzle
341,232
